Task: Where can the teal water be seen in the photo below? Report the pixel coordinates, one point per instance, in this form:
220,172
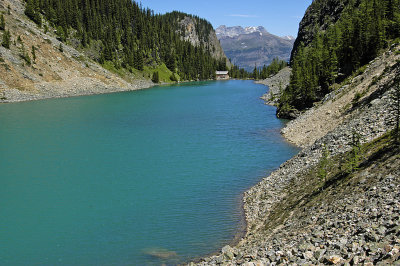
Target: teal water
104,179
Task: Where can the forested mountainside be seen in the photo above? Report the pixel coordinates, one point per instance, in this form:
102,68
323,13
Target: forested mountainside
336,39
128,35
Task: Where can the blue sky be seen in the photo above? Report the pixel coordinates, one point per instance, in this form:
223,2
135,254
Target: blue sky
279,17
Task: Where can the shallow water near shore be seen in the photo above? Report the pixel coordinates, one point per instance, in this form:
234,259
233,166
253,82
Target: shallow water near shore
137,178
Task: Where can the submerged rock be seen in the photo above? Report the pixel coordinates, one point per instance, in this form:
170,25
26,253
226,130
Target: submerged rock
160,253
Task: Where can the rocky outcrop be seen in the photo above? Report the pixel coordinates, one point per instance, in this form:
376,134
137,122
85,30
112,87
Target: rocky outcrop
276,85
189,31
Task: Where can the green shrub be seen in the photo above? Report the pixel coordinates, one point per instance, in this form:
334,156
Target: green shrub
356,98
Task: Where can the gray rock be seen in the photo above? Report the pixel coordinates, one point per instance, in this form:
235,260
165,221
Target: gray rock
308,255
319,254
228,252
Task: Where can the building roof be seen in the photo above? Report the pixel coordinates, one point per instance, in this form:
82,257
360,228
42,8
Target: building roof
222,72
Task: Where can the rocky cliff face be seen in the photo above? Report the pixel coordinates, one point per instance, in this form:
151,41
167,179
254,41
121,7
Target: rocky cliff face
250,46
319,15
190,29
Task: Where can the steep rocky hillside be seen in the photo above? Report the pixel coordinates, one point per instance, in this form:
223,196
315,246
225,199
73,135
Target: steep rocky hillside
338,200
250,46
189,30
58,70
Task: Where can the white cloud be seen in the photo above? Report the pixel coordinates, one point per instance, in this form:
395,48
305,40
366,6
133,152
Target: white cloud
242,16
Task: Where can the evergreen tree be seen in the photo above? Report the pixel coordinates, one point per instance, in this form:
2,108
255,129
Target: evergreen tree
354,156
6,39
396,108
2,22
32,13
255,72
139,61
324,164
156,77
24,55
33,53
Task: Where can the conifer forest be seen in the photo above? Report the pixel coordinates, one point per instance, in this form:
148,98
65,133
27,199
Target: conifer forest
128,35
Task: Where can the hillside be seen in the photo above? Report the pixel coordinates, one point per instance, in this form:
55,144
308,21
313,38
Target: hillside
318,17
336,39
250,46
50,58
337,201
190,28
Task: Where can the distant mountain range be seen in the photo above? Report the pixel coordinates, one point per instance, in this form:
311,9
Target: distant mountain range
253,45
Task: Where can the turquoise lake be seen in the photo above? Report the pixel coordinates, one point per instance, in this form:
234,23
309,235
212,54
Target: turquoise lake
111,179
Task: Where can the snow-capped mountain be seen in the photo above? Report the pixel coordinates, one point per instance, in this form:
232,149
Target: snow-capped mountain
224,31
289,37
250,46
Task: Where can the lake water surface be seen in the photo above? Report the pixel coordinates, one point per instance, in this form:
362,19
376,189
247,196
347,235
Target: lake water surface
112,179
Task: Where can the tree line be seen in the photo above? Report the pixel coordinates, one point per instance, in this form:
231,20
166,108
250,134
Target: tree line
259,73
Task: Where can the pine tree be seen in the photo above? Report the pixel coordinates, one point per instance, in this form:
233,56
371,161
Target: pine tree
255,72
156,77
396,108
33,53
32,13
6,39
354,156
2,22
324,164
24,55
139,61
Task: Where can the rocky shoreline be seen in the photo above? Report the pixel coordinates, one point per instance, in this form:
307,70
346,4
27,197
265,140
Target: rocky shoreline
70,88
276,84
294,218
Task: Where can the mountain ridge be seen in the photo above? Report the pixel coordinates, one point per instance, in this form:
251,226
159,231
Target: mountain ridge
253,45
224,31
